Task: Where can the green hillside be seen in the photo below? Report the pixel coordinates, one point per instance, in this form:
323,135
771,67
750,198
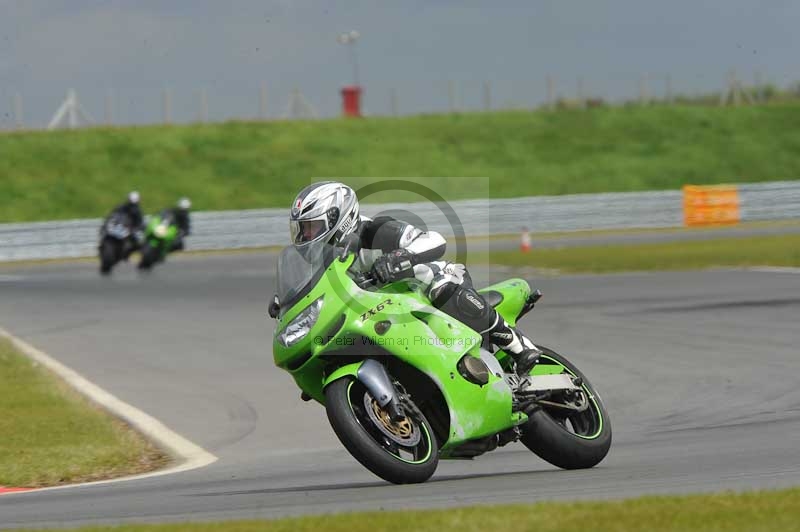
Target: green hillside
75,174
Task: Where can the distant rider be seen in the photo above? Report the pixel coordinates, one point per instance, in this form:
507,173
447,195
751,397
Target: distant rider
392,250
180,214
132,210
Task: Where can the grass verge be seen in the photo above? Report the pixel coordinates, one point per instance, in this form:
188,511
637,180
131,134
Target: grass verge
51,435
238,165
777,250
724,512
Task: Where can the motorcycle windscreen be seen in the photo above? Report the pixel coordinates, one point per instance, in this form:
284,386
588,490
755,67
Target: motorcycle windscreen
299,269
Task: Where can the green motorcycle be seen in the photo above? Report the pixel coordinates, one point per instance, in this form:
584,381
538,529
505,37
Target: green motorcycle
405,384
159,235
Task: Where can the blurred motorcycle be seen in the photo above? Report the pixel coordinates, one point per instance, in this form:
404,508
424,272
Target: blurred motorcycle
117,241
159,236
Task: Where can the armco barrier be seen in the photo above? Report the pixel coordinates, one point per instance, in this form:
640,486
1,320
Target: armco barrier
269,227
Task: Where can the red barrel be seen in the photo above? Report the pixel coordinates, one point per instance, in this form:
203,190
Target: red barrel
351,100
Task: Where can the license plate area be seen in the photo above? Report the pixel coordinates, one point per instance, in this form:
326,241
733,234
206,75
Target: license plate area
543,383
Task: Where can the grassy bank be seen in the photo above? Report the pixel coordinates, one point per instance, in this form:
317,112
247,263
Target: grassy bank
778,250
725,512
53,436
73,174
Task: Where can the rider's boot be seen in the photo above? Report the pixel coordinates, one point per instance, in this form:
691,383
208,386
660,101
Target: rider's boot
516,344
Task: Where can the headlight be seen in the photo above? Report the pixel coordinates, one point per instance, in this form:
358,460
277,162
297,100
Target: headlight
301,325
160,231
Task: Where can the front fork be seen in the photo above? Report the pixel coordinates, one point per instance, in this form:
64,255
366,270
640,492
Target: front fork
374,377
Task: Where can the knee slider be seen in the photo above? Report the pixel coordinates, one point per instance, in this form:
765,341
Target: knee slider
468,307
471,303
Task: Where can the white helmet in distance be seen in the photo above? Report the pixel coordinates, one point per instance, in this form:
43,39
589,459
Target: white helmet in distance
325,211
133,196
184,204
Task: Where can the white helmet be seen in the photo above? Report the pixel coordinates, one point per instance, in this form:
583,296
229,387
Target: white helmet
184,204
133,196
326,211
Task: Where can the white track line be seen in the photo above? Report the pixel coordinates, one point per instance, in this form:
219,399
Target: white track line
774,269
189,455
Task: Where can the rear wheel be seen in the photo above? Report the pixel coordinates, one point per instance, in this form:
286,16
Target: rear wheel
566,438
403,452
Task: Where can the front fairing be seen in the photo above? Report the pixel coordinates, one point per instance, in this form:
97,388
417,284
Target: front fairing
155,235
117,226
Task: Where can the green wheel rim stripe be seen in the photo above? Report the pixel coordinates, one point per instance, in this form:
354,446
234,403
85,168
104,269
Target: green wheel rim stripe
591,397
430,448
421,425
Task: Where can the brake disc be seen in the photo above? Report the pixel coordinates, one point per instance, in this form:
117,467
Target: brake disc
404,432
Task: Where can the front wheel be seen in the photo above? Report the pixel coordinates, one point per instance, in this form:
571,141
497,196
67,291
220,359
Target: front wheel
567,438
149,257
108,255
403,452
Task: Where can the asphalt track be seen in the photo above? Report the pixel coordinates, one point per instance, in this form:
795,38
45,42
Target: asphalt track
699,372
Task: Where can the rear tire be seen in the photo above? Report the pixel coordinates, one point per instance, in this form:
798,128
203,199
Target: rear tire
346,405
576,441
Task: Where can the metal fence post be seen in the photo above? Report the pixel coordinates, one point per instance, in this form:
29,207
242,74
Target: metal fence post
262,102
203,106
393,101
451,96
167,106
643,96
109,118
18,117
668,89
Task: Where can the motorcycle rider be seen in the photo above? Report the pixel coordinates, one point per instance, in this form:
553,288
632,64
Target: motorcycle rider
133,211
180,214
392,250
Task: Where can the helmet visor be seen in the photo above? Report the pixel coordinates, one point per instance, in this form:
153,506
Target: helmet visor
305,231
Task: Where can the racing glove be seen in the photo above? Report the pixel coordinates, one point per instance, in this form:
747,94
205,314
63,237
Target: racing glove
399,264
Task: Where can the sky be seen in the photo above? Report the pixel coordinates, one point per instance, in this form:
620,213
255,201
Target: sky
123,55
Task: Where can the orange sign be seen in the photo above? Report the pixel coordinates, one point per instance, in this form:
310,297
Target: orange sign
710,205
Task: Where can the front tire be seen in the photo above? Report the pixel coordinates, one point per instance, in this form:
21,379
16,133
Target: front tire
149,257
569,440
401,453
108,256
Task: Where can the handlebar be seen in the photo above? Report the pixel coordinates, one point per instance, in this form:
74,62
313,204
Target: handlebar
365,280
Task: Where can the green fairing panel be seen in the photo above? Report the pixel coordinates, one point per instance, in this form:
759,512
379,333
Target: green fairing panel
475,411
344,371
433,346
515,293
155,221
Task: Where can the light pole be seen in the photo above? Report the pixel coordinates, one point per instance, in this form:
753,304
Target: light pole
349,38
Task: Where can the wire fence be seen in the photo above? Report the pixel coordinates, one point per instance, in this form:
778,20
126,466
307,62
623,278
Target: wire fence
778,200
265,101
